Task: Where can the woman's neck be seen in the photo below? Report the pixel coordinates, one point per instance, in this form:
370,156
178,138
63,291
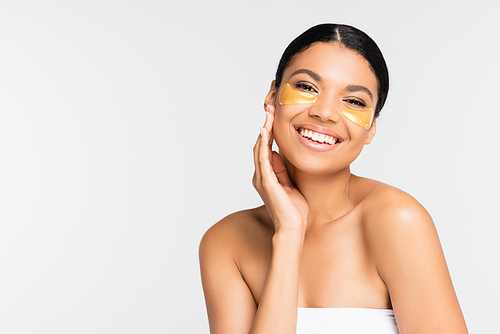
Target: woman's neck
328,196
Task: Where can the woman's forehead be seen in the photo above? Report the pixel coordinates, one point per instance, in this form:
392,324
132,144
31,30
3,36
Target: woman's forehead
324,55
332,62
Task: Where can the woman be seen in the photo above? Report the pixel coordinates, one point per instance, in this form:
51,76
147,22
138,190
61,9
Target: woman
329,251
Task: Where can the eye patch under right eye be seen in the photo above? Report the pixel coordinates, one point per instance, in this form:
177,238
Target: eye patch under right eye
289,95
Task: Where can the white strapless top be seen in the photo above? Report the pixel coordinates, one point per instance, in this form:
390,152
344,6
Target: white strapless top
346,321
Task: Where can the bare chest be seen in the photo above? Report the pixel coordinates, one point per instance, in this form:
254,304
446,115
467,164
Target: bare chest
336,269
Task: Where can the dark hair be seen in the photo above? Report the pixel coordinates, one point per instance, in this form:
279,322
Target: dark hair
350,38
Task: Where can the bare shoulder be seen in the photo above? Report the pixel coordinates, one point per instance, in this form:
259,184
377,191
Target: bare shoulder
406,251
225,246
387,207
236,229
396,225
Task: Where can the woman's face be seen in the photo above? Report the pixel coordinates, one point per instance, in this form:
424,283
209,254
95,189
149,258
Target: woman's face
317,137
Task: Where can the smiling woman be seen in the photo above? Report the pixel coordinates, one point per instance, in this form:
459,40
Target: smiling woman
328,251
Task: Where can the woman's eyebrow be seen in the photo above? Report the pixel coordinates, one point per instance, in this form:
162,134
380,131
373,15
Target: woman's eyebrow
350,88
356,88
312,74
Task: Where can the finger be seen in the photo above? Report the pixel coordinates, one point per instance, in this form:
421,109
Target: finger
280,170
264,158
271,109
268,125
261,153
257,173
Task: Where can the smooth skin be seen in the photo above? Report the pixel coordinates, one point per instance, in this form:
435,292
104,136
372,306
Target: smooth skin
324,237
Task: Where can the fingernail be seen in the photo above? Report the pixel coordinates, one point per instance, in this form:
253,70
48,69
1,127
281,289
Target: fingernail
261,131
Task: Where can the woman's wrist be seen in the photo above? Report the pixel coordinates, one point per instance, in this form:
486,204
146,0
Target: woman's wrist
289,236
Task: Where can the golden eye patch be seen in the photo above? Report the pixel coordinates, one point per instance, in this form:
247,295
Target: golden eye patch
289,95
358,117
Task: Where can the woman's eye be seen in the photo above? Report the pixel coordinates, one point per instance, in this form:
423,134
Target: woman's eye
306,87
356,102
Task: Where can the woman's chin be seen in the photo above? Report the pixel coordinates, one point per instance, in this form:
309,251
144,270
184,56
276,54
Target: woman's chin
313,168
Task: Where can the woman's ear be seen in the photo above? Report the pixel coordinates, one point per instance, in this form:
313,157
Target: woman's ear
371,132
271,96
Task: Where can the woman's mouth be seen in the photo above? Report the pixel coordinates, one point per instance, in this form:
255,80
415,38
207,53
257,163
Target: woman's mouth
317,137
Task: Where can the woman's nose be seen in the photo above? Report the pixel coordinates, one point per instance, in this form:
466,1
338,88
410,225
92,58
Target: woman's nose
326,110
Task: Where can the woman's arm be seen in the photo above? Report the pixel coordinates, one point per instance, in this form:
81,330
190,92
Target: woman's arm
230,305
277,311
411,262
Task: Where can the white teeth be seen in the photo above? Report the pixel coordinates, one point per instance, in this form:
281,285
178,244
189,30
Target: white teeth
319,137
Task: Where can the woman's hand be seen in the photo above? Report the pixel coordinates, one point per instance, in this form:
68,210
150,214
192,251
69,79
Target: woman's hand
284,202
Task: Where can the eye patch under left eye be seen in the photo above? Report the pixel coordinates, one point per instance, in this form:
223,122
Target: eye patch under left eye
362,118
289,95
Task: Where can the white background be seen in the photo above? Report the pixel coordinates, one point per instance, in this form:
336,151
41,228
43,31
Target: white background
126,130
